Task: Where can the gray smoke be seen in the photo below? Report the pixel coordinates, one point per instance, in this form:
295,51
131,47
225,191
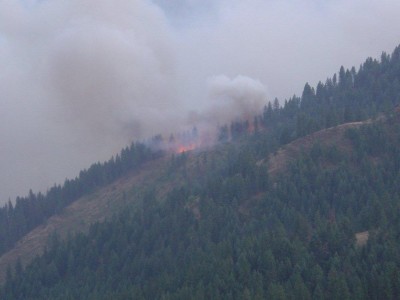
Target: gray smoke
239,98
81,79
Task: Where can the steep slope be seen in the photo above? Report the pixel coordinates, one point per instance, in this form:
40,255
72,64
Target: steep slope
334,136
89,209
297,240
28,212
160,176
109,200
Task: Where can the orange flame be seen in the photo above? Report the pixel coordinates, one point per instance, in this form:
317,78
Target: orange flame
185,148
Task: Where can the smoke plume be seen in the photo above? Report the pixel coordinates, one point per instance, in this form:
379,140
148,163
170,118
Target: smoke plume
81,79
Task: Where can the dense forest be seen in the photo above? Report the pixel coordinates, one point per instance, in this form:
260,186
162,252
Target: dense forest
230,230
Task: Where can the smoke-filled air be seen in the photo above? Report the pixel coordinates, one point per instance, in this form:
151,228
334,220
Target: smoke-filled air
79,80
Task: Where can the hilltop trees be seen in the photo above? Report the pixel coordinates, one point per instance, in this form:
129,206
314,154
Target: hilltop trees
354,96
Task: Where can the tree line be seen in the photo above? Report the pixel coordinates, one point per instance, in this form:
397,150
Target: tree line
28,212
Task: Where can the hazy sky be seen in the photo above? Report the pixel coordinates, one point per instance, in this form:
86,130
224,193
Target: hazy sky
81,79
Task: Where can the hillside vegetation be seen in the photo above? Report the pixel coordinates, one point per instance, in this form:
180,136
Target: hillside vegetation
275,213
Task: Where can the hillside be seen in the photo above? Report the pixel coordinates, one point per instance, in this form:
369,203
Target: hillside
106,201
303,206
307,221
87,210
334,136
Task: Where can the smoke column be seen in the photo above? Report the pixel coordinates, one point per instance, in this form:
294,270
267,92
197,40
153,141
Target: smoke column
81,79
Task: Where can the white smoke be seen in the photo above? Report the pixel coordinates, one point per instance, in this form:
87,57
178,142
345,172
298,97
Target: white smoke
81,79
236,98
78,81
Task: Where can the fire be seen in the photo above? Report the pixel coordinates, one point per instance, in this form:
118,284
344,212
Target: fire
185,148
198,140
251,127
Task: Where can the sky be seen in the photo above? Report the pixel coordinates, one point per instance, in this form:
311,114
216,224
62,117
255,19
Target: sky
79,80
